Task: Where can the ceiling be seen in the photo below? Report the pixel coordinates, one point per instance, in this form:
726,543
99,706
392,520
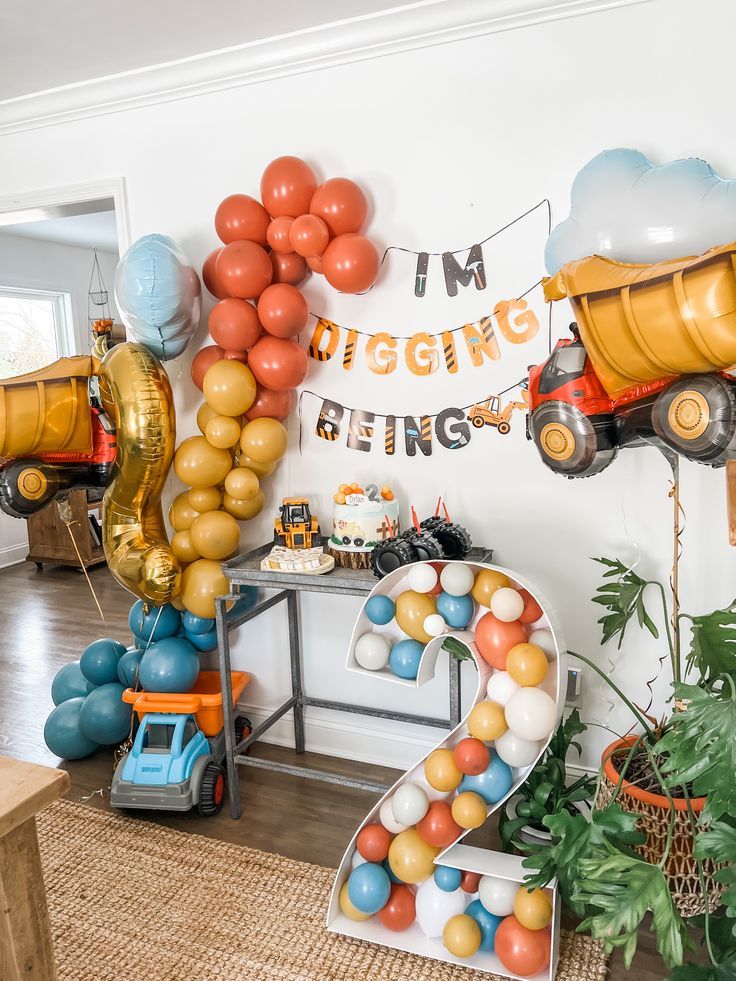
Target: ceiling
84,231
88,39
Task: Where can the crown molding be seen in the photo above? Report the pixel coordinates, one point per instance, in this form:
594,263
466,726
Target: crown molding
418,25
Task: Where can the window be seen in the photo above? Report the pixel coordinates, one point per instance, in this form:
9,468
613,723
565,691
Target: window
36,328
564,366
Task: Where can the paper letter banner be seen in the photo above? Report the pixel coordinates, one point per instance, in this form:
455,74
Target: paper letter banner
414,435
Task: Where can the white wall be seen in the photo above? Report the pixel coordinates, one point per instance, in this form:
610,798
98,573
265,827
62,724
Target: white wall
35,264
451,142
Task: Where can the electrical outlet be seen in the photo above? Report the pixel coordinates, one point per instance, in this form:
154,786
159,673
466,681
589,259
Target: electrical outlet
574,685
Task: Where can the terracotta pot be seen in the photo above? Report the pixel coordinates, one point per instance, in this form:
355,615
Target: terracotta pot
653,811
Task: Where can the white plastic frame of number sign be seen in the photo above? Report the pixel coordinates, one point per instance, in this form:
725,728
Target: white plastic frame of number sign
464,857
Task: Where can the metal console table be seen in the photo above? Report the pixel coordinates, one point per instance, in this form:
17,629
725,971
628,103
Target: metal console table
245,570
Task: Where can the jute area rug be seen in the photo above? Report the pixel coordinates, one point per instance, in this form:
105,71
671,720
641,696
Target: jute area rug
131,901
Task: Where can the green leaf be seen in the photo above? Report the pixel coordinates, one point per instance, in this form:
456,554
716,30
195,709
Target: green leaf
700,748
624,599
721,933
719,843
621,889
713,644
704,972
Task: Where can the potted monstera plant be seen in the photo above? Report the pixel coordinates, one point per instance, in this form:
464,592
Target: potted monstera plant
662,835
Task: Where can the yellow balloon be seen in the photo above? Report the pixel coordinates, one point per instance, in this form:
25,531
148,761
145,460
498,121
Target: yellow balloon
441,771
486,583
204,414
177,604
261,470
461,935
469,810
244,510
201,582
183,548
532,909
205,499
222,432
347,907
527,664
412,609
242,484
264,440
199,464
215,535
229,387
411,858
487,721
181,513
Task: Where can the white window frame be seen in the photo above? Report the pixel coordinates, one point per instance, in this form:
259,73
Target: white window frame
64,328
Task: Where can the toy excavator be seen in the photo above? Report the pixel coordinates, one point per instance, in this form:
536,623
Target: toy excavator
490,413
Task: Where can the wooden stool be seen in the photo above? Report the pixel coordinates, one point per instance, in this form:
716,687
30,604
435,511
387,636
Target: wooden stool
26,950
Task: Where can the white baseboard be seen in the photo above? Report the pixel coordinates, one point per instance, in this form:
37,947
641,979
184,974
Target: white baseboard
13,554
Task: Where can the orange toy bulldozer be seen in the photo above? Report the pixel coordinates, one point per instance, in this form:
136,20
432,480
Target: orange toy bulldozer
296,528
53,435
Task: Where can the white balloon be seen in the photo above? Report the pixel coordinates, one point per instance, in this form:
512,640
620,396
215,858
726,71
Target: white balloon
531,713
409,804
357,859
507,604
434,625
422,578
387,819
372,651
434,907
515,751
497,895
543,638
457,579
501,686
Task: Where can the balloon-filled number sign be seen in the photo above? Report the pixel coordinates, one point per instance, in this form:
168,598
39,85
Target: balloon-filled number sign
406,881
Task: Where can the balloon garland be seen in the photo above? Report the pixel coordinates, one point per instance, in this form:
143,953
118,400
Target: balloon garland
248,374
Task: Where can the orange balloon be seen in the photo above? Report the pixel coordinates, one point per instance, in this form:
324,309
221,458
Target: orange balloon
341,204
532,610
532,909
487,722
437,827
201,582
287,187
241,356
203,360
527,664
471,756
315,264
495,638
412,609
277,235
234,324
470,882
350,263
522,951
469,810
400,911
486,583
275,405
209,275
373,842
278,363
288,267
441,771
411,858
244,269
241,218
309,235
282,310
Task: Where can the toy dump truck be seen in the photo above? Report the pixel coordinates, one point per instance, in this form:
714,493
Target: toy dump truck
647,361
295,527
53,435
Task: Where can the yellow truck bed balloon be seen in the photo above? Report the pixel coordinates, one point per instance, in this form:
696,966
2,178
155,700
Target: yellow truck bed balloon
642,323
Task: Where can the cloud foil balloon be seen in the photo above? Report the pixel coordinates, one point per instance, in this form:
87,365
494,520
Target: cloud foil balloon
158,292
624,207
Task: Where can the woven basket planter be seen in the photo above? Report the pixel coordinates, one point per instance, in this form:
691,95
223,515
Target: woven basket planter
653,813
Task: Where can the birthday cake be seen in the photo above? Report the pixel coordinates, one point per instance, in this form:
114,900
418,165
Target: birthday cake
362,519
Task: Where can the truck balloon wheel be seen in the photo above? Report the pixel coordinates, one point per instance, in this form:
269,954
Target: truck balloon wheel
557,441
689,414
212,791
569,443
696,416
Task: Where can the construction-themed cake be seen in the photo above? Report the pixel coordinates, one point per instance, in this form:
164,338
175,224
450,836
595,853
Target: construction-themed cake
362,519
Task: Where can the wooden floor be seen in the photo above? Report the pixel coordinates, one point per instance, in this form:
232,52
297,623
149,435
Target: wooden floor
47,618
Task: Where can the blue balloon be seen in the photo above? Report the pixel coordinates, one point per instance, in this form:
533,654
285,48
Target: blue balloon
203,642
456,611
158,295
405,657
380,610
69,682
128,666
192,624
105,717
169,665
62,733
369,887
487,922
247,599
447,879
160,622
493,783
99,661
391,874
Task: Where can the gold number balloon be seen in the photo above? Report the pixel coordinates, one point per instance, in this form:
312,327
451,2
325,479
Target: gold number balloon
136,394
